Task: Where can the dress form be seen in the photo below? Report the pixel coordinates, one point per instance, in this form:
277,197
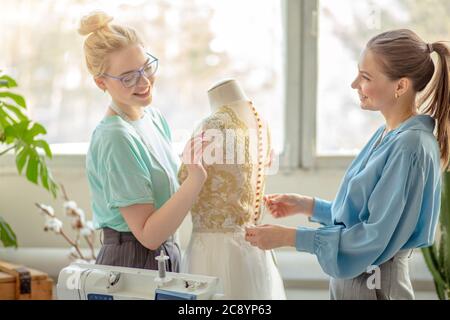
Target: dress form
229,202
229,93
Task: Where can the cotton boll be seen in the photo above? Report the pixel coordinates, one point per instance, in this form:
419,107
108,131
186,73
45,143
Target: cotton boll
70,205
47,210
81,215
88,229
53,224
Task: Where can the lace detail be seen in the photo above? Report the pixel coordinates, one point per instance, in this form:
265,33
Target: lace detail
227,199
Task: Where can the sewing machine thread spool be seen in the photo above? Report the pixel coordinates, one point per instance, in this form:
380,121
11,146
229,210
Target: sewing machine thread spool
162,265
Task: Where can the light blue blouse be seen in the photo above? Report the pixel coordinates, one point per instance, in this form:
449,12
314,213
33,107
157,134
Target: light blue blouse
389,200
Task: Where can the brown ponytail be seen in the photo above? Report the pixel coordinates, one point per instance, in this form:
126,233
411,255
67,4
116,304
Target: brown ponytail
402,54
437,100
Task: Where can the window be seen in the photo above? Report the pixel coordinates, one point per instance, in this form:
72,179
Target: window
301,64
198,42
345,26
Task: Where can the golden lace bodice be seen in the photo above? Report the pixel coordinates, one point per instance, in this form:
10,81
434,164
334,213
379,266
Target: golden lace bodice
228,197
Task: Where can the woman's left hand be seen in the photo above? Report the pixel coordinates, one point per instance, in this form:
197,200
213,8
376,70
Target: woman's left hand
268,237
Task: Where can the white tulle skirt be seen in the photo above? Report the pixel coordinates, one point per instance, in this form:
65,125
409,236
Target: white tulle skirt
245,272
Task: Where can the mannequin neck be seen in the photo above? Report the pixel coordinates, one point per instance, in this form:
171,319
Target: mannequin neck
226,93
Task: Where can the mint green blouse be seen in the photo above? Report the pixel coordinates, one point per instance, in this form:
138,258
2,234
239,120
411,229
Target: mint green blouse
126,168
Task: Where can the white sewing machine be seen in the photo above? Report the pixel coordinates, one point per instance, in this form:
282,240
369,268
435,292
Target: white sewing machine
81,281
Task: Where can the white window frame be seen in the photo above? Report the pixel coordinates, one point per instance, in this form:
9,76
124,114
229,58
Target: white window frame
301,28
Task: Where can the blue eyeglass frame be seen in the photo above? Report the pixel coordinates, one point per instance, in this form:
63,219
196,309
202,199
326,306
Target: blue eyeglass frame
140,71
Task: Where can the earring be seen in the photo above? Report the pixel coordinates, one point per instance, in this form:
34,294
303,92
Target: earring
396,95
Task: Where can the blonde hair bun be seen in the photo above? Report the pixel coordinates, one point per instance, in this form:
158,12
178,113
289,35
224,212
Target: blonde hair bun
94,21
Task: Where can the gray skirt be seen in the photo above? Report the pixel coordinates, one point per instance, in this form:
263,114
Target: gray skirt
390,282
122,249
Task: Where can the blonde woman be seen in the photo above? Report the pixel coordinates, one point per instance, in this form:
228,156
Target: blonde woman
131,167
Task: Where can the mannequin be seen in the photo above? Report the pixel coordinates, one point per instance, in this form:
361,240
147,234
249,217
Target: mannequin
231,200
230,93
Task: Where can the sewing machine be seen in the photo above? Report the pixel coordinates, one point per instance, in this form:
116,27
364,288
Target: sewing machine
80,281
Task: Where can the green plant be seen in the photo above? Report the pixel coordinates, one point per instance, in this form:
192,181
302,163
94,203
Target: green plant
19,133
437,257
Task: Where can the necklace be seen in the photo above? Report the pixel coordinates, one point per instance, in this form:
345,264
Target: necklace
260,167
120,112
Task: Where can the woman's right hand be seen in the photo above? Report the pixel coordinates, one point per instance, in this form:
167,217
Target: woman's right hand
192,158
284,205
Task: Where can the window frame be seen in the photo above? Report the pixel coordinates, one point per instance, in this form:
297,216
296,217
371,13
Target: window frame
301,21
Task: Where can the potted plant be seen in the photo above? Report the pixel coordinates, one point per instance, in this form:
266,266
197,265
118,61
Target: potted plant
21,134
437,257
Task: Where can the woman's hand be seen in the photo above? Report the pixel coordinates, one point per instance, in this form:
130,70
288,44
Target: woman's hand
192,157
284,205
268,237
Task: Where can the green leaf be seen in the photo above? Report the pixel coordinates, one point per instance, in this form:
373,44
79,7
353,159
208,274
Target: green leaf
44,175
7,235
12,132
35,130
437,257
19,114
430,257
46,178
18,130
440,291
54,188
9,139
5,119
16,97
32,169
444,257
445,229
21,159
53,185
6,81
44,145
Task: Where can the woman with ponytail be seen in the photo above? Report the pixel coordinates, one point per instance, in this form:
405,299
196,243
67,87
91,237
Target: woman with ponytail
388,202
